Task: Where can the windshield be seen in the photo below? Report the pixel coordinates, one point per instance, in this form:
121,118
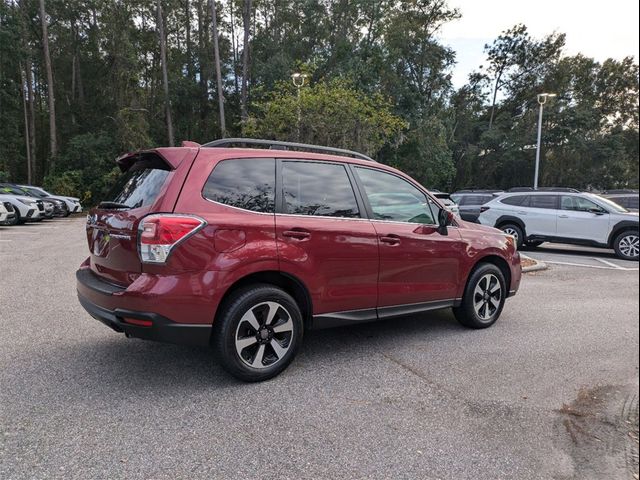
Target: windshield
14,190
34,192
612,206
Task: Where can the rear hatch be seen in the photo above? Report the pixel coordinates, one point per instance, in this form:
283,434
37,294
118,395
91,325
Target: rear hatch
150,182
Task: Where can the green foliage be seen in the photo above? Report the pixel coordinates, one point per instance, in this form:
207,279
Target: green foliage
86,169
332,113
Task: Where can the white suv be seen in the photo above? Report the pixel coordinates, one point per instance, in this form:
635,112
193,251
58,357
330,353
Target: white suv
576,218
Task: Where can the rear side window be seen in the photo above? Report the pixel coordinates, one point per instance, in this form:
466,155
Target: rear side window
633,202
517,200
243,183
318,189
140,185
544,201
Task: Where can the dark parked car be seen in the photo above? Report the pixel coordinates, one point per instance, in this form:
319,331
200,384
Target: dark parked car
471,202
625,198
243,249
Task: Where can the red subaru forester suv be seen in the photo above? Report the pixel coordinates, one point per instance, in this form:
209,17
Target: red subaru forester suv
245,248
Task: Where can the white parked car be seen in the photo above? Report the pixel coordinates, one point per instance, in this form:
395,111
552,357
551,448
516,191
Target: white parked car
575,218
73,204
4,213
27,209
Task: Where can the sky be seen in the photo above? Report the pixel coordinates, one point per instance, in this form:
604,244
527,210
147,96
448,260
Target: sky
598,29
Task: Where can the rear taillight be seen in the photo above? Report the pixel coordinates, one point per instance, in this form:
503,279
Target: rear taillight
484,209
159,234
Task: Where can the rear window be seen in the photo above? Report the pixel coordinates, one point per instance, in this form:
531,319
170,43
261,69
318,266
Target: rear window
140,185
243,183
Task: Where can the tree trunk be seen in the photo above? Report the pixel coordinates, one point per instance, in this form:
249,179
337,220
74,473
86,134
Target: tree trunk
53,143
246,25
32,117
234,49
165,76
190,74
27,136
493,102
216,52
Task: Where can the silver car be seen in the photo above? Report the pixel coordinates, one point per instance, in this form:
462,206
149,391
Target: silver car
564,217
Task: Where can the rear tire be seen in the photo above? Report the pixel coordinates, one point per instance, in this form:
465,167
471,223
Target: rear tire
483,298
626,245
257,333
515,231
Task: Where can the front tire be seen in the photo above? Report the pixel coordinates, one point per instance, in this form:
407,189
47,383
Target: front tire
257,333
515,231
626,245
534,244
483,298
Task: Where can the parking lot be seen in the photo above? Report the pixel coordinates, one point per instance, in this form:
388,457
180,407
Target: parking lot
551,391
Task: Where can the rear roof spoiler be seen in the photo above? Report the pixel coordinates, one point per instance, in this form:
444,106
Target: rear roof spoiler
173,156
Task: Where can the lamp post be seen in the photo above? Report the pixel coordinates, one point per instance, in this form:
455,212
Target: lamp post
542,99
298,81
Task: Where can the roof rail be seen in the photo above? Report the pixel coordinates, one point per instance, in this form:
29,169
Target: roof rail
478,190
277,145
543,189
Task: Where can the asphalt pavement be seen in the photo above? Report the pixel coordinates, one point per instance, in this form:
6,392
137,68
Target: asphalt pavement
549,392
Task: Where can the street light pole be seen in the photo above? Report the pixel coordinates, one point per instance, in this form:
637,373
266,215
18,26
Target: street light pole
298,81
542,99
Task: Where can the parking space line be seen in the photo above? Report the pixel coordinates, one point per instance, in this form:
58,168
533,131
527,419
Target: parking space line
591,266
609,263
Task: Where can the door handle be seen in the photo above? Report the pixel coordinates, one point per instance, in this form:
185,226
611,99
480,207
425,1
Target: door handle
522,213
563,216
298,234
390,239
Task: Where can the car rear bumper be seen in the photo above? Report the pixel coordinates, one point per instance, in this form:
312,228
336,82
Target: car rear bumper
97,298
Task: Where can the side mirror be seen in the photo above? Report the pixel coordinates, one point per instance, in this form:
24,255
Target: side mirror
445,218
597,211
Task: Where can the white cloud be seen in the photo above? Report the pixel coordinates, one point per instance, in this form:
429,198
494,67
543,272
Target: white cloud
596,29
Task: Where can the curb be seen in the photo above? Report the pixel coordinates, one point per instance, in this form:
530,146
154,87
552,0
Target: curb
539,265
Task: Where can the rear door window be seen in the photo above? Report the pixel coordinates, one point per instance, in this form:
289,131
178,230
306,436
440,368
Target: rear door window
516,200
544,201
140,185
247,183
318,189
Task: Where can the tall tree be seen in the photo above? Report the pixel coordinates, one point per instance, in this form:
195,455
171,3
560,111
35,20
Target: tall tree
246,25
216,59
26,126
53,142
165,75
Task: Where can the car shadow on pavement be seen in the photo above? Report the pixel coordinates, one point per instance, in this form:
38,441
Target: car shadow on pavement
114,368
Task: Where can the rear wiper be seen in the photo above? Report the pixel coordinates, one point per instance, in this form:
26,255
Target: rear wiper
113,205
